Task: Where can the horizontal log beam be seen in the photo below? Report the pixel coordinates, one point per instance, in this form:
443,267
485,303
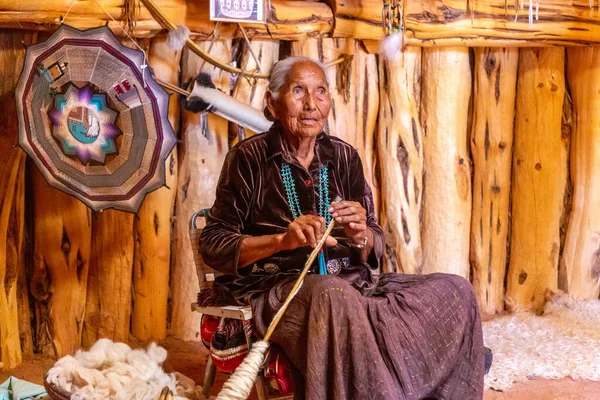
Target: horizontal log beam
289,20
491,23
83,14
486,23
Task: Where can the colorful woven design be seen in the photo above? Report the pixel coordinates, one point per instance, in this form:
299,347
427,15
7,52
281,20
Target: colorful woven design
93,119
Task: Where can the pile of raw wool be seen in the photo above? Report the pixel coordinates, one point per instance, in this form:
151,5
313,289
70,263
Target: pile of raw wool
563,342
113,371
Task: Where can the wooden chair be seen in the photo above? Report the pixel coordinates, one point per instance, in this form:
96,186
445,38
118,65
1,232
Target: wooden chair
243,313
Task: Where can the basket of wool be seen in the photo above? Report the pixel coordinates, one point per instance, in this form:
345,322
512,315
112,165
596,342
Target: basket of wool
110,370
55,392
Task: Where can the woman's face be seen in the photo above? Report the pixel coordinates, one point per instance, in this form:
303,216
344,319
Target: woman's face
304,101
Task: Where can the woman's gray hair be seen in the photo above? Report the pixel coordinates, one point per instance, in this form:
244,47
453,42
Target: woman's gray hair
281,69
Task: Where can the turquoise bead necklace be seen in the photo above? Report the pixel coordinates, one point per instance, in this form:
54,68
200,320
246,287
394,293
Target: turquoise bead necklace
294,203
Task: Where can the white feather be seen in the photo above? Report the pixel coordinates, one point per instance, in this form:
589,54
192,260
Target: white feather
391,46
177,37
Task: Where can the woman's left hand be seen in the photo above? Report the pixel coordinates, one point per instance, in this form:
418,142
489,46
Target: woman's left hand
353,216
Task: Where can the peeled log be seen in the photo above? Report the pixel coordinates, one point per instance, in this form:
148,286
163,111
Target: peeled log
152,227
11,247
108,303
201,155
539,177
62,241
428,23
288,20
12,206
491,147
46,15
354,97
252,92
474,23
447,203
400,144
580,264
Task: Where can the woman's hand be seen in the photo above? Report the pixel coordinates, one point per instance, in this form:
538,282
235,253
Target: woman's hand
306,230
353,217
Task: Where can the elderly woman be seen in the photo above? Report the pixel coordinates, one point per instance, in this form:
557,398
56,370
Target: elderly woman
350,334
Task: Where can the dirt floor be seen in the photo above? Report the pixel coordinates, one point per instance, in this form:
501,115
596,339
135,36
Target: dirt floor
188,358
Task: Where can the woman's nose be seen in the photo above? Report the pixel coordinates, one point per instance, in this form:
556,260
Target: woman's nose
309,102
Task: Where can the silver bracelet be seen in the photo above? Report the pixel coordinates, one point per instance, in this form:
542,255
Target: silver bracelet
362,245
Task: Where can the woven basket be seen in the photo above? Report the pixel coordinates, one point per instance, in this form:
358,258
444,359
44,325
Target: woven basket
58,393
55,392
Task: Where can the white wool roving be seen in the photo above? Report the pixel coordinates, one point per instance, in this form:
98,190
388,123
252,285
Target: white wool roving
113,371
391,46
177,37
564,342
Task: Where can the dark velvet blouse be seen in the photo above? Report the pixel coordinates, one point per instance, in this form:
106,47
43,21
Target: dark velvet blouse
251,201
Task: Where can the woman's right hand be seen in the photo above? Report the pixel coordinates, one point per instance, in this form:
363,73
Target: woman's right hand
306,230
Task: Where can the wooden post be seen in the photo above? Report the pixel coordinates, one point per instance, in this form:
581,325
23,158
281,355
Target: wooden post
447,202
11,246
252,92
539,177
62,240
400,145
491,147
12,207
202,153
152,227
580,264
108,301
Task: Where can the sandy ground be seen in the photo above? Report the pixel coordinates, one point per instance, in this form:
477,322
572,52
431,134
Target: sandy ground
188,358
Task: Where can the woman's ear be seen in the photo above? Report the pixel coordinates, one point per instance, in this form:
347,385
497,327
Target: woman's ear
271,106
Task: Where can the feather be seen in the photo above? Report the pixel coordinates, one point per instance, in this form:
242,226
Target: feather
393,45
177,37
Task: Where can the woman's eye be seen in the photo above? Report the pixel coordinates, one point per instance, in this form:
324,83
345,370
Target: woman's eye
297,90
321,91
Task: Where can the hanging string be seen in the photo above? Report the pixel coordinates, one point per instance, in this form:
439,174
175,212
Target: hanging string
62,19
250,47
164,21
144,66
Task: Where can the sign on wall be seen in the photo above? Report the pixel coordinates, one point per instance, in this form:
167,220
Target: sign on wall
237,10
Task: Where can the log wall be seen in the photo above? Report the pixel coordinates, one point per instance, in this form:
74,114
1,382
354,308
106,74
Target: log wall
470,153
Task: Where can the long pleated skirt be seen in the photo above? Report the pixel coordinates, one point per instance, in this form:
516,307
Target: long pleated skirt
395,337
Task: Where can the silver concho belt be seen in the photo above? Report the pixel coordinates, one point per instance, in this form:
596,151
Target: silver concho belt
334,266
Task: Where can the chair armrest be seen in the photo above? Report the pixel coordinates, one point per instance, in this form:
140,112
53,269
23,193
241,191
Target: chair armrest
243,313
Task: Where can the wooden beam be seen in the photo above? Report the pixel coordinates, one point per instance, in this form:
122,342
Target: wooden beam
62,241
447,194
108,300
488,23
13,288
485,23
539,178
400,145
289,20
580,264
152,227
47,15
494,90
